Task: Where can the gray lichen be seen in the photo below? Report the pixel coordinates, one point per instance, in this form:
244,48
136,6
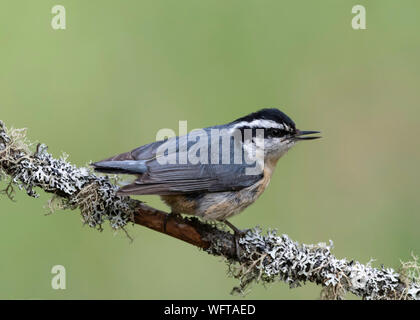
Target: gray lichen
268,257
74,187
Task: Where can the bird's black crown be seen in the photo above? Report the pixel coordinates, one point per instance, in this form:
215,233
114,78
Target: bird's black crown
272,114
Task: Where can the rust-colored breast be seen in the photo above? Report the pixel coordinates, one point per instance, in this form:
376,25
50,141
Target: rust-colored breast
263,183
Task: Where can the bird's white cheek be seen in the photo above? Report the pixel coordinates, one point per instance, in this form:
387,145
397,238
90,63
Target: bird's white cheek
278,148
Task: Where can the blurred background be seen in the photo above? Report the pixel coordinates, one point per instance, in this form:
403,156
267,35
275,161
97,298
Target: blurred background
123,70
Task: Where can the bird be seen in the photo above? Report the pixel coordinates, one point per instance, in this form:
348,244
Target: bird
213,173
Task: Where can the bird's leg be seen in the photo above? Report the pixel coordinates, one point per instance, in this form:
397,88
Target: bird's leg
235,230
170,215
237,234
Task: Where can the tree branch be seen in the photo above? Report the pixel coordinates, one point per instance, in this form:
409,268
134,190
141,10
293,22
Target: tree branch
263,257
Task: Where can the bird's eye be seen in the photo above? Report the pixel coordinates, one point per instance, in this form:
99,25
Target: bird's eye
273,132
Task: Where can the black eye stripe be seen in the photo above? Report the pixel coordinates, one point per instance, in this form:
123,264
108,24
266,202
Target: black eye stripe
274,133
268,132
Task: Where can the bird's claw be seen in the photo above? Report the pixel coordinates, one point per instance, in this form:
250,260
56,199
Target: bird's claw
237,234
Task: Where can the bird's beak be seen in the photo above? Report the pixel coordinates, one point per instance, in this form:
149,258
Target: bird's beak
299,134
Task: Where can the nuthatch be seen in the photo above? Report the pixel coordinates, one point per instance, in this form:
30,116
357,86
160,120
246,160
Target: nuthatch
221,183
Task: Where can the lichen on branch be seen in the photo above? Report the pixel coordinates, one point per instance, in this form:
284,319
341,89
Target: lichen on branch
269,257
76,187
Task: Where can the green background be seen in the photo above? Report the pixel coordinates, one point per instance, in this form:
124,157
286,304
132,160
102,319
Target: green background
122,70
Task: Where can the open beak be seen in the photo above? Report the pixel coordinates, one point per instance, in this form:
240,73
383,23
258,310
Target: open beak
299,135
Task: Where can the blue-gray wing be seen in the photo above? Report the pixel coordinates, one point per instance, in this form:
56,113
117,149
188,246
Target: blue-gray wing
172,177
186,179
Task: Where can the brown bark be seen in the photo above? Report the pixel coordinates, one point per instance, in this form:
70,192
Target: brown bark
190,230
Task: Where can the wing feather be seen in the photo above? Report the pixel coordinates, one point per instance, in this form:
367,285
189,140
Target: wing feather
168,179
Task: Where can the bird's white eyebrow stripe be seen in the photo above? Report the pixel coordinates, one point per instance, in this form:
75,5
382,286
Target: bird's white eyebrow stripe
260,124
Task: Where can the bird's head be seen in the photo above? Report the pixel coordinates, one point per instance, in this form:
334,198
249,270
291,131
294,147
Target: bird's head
273,130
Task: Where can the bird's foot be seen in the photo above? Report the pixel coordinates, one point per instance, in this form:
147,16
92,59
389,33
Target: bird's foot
237,233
